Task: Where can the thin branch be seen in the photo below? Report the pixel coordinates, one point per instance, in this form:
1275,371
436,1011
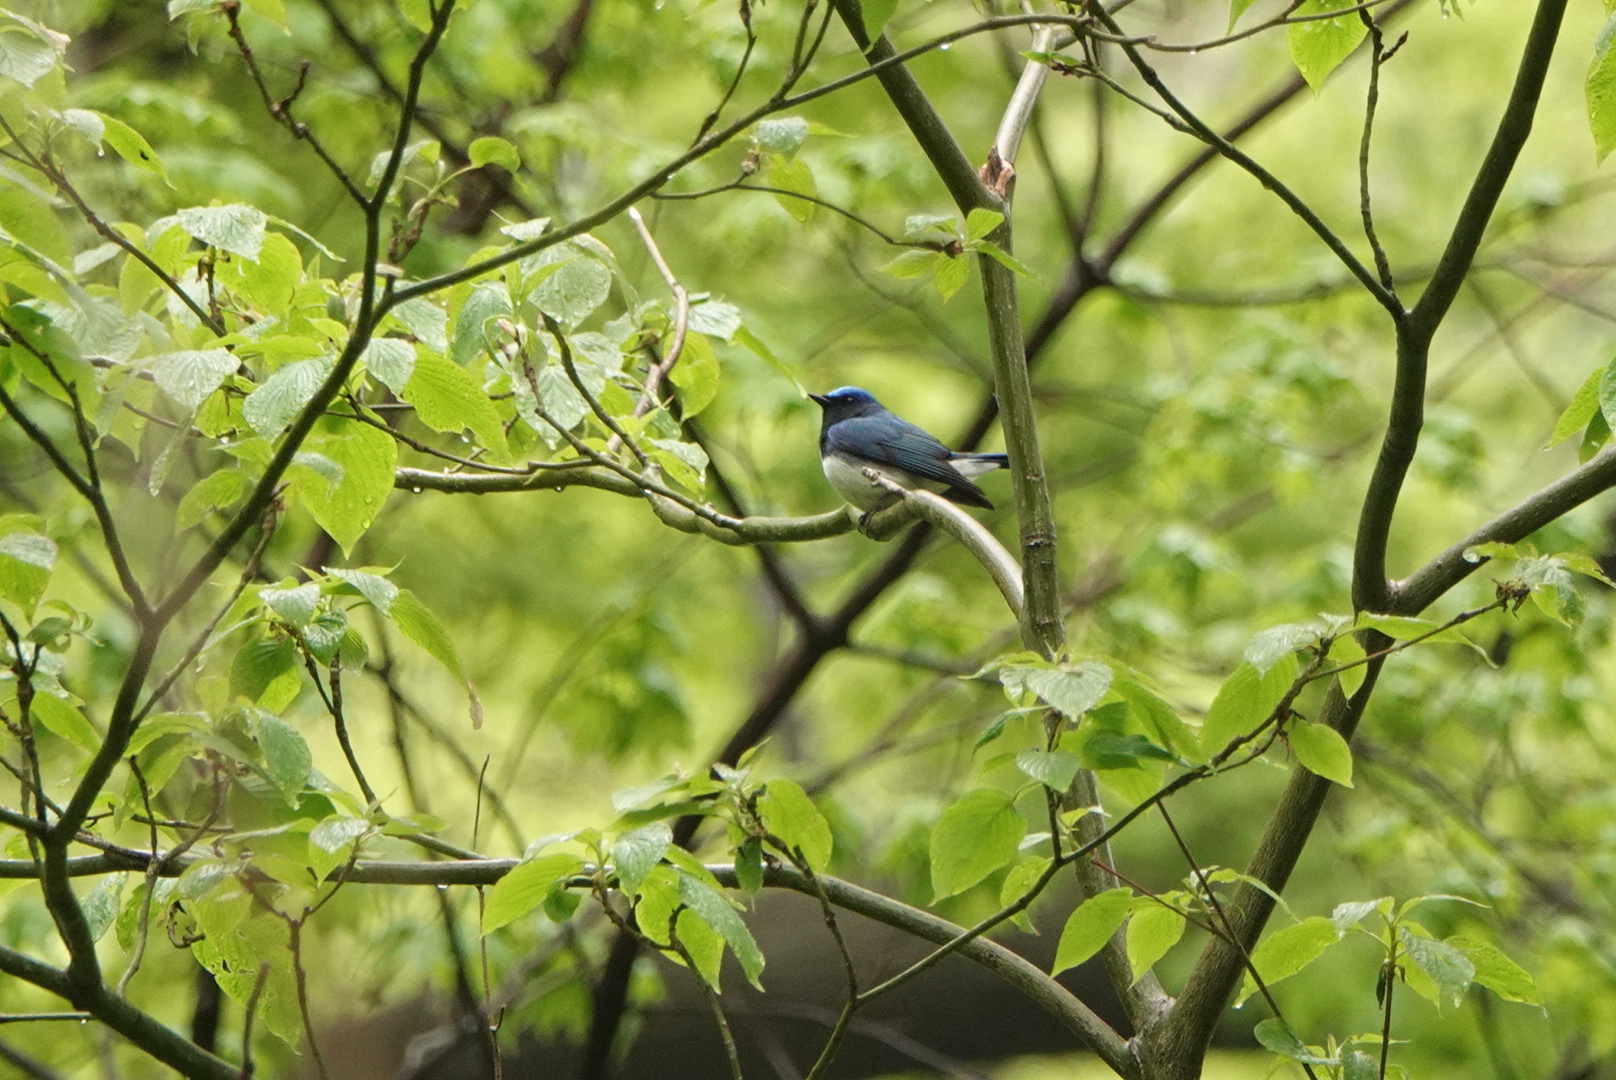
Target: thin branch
972,535
1377,56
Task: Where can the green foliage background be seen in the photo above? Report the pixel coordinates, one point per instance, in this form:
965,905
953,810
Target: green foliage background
1209,421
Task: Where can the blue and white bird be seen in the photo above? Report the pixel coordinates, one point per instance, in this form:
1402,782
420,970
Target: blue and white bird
859,433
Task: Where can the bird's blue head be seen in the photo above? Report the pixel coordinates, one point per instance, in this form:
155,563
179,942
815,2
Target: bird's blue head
846,402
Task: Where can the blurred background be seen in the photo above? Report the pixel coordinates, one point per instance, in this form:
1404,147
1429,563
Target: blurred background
1211,392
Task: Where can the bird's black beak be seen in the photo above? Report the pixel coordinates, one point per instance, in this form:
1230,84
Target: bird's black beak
819,399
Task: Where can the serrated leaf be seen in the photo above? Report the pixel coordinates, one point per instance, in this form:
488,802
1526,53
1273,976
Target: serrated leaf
948,275
579,285
278,400
525,887
1346,650
213,491
1321,750
637,852
421,626
913,264
390,361
1243,701
287,760
1269,646
448,399
28,54
373,587
1090,926
100,905
191,375
426,321
1054,769
476,328
236,228
130,145
1289,950
1070,691
1317,46
1151,932
791,815
1017,883
1498,972
981,221
297,605
715,910
1450,970
26,560
1350,914
367,458
337,833
973,837
715,318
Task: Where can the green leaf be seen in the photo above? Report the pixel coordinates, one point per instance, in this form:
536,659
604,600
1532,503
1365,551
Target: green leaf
373,587
782,135
1318,45
278,400
696,374
793,175
297,605
974,837
715,318
1114,750
100,904
63,718
476,329
981,221
703,944
237,228
1151,932
876,14
1237,8
30,52
686,463
913,264
949,275
213,491
26,560
1346,650
525,887
1072,691
131,145
1000,256
176,8
390,361
1090,926
1588,400
1289,950
575,289
1350,914
791,815
367,457
749,866
263,665
287,761
715,910
191,375
1157,717
1244,700
332,841
1270,646
1018,882
637,852
448,399
1600,88
1498,972
426,322
423,628
1052,768
1321,749
1276,1035
1451,970
492,150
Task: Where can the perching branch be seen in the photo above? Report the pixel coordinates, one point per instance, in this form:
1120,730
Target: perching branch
972,535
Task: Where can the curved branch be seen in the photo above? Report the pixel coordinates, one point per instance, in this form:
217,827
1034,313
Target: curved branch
971,533
741,531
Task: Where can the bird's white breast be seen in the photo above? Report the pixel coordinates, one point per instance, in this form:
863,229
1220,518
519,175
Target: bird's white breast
847,477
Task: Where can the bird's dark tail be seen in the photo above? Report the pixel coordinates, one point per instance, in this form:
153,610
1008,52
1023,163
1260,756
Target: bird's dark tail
968,494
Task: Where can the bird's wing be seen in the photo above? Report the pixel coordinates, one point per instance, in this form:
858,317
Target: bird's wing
891,441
